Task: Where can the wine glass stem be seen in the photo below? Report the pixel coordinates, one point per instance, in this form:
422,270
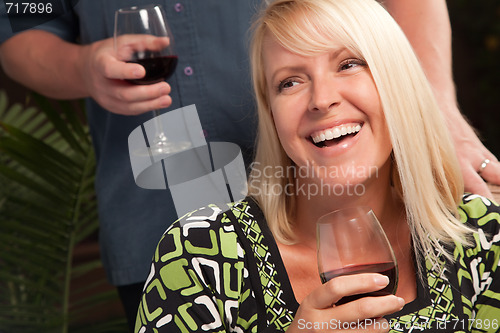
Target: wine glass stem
160,135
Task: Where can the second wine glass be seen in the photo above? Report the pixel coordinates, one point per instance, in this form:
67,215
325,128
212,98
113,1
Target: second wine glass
142,36
352,241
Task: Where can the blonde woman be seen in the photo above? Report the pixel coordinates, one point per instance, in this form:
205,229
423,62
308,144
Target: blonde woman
346,118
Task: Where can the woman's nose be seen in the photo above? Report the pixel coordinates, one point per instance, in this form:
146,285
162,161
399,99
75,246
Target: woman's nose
324,96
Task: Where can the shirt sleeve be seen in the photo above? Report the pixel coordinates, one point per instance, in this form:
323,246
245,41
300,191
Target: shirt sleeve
483,260
196,280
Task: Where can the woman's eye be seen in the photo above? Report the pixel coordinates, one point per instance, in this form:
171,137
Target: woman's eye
351,63
287,84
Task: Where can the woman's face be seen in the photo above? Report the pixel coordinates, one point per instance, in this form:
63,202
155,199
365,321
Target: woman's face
327,113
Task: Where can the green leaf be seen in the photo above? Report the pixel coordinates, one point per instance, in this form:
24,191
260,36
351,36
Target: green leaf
59,123
47,207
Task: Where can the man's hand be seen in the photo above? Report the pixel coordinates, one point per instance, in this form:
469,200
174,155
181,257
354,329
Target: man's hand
472,154
104,77
58,69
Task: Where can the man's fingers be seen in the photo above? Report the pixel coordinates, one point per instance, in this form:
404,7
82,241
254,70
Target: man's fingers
143,41
491,171
159,103
476,176
475,184
128,47
156,43
130,93
118,70
128,99
131,109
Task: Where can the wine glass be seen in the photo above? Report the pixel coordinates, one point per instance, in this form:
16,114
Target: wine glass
142,36
352,241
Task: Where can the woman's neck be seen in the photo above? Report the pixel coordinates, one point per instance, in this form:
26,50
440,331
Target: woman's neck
385,203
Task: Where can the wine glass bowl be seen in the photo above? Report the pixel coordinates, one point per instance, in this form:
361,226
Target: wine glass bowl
143,36
352,241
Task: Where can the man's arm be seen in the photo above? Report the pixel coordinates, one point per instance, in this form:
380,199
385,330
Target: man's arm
43,62
53,67
427,26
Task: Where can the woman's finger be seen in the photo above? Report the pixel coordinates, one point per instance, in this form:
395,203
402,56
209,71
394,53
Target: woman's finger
366,308
333,290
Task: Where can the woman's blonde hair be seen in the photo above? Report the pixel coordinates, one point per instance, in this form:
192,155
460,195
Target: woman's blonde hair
426,172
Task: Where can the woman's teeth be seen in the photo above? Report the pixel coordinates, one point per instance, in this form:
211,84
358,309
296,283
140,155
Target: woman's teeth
335,132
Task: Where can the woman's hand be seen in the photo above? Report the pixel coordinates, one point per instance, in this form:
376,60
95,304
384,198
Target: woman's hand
318,312
104,77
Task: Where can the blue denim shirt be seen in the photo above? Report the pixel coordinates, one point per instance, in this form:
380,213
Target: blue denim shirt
211,39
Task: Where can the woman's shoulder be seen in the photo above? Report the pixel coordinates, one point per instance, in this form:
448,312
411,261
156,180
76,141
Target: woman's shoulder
483,216
476,264
479,212
207,226
216,216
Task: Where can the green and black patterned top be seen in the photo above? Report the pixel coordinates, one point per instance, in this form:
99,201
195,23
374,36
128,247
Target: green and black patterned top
221,271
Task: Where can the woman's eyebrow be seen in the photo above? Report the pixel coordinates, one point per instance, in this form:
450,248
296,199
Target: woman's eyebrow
286,69
338,52
297,68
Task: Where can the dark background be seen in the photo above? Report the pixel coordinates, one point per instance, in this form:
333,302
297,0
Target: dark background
476,51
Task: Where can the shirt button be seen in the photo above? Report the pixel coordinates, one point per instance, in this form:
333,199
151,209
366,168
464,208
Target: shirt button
188,71
178,7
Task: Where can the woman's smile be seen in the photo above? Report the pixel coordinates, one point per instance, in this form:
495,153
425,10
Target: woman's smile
334,135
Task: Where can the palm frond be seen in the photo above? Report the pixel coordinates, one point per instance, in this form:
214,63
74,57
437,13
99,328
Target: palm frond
47,207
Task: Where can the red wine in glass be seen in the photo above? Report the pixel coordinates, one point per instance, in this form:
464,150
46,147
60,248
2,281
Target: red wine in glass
386,268
157,69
